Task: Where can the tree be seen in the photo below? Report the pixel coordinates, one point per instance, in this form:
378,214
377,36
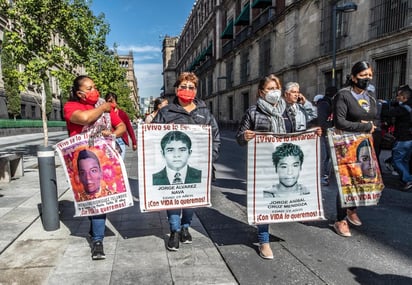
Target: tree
11,80
35,38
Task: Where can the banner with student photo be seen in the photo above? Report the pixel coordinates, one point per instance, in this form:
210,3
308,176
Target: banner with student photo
283,182
175,166
356,168
96,173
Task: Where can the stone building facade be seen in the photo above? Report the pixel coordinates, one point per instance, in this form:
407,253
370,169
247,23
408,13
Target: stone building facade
127,62
231,44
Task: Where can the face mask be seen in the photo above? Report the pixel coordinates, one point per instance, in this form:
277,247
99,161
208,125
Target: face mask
362,83
186,95
273,96
91,97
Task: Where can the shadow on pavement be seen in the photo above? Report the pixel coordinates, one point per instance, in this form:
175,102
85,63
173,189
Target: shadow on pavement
365,276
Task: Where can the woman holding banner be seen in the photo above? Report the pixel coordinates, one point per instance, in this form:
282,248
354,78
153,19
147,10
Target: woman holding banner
86,112
355,110
186,109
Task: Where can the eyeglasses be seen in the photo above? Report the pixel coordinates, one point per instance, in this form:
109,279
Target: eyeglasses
187,87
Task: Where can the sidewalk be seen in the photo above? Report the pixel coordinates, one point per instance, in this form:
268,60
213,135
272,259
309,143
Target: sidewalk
134,243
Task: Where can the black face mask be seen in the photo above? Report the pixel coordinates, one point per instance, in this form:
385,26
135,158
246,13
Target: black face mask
362,83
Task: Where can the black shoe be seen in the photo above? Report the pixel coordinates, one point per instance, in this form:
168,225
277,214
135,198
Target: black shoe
185,236
173,243
97,251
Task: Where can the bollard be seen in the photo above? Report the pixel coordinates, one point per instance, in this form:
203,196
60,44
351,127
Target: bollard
48,188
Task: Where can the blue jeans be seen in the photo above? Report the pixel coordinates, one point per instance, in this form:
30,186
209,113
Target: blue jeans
122,146
401,155
325,156
175,222
97,227
263,233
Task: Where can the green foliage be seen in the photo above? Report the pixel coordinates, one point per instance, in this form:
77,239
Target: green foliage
11,80
56,37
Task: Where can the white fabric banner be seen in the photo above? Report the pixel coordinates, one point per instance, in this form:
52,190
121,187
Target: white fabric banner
175,166
283,181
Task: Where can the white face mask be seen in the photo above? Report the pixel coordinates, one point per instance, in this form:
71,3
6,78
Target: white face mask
273,96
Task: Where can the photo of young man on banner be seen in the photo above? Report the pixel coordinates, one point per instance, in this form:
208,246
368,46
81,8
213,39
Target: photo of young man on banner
283,178
356,167
96,173
175,163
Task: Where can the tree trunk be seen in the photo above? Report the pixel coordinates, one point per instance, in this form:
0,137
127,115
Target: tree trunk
44,116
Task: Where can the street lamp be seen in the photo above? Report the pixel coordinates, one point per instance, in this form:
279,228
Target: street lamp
345,8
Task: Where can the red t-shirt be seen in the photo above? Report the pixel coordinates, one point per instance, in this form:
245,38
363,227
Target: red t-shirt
75,129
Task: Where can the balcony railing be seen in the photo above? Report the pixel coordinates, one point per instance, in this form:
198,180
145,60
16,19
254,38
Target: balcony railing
243,35
263,19
228,47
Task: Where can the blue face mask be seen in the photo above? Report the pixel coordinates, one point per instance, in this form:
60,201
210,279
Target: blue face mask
273,96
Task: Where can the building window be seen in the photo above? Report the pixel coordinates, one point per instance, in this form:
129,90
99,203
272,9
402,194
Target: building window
209,85
264,57
244,67
326,28
230,103
390,73
339,79
245,101
229,74
23,111
389,16
203,88
33,111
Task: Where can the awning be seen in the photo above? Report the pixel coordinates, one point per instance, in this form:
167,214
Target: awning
243,18
261,3
228,32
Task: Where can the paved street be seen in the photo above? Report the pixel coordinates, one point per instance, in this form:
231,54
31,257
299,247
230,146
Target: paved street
224,249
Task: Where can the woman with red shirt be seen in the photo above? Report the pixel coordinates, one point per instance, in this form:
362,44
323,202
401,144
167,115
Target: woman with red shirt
123,140
86,112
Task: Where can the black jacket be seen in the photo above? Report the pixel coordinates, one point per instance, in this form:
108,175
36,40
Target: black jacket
325,117
254,119
174,113
348,114
193,175
402,120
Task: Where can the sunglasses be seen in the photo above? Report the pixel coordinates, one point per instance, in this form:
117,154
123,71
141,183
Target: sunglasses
187,87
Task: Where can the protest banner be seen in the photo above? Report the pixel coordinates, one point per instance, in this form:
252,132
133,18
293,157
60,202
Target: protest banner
356,168
97,175
175,166
283,182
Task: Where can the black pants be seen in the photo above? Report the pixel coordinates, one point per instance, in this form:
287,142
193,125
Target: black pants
341,212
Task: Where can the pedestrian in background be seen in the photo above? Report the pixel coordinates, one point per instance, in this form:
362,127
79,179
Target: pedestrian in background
186,109
299,112
124,139
354,110
158,104
325,120
402,149
84,112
